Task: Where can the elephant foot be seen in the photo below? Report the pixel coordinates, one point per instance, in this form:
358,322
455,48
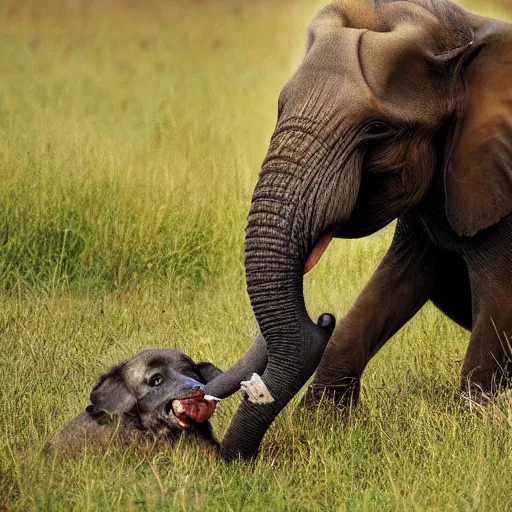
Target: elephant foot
341,395
481,387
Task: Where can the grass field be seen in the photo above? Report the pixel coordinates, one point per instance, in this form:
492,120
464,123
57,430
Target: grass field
130,139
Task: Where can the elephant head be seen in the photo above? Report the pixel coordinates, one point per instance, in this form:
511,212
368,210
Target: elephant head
389,106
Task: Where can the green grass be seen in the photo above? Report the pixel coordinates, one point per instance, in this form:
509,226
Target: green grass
130,140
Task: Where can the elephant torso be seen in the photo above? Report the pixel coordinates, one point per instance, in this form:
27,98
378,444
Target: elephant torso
477,266
434,224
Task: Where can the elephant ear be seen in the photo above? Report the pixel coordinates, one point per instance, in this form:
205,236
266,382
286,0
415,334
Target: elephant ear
433,59
478,177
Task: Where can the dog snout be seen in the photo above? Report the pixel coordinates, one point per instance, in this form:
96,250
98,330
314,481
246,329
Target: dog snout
190,384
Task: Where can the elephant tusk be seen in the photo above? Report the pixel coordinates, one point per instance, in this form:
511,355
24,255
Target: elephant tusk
318,251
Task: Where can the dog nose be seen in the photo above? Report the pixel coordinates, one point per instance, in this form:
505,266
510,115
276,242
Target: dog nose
190,384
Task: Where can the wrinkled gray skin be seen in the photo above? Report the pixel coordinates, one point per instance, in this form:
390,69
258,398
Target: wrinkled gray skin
404,112
253,361
135,399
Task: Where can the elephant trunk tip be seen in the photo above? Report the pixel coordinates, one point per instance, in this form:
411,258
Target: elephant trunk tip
327,323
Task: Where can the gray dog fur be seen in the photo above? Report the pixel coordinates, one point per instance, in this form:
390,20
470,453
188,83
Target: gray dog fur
127,408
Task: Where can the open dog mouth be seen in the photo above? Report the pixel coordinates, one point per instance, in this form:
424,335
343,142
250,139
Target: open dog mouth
194,408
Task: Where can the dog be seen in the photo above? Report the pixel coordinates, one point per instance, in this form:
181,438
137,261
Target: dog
154,397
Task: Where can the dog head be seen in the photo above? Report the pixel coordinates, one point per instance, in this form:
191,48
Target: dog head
159,389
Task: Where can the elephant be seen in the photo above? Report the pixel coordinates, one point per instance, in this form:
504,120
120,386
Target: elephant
401,111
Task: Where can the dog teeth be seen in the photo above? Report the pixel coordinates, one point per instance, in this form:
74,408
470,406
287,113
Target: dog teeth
177,407
211,397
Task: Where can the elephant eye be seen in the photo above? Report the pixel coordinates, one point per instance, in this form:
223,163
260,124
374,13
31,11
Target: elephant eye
156,380
377,128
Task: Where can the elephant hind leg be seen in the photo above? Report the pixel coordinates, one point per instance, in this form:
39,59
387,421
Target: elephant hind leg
488,362
486,368
487,365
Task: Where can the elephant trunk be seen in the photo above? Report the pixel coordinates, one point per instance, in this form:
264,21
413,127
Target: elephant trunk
253,361
274,262
283,228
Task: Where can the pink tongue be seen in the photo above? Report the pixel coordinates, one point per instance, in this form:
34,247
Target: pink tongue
318,251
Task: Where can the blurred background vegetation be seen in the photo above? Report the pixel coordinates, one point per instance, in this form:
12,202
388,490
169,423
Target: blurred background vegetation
131,135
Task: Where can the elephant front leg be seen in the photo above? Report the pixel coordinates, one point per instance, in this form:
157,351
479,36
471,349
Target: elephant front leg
399,288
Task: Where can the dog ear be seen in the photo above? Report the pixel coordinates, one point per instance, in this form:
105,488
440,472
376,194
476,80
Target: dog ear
207,371
111,393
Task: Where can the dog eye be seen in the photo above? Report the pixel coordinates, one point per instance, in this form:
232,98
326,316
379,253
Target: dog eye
156,380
